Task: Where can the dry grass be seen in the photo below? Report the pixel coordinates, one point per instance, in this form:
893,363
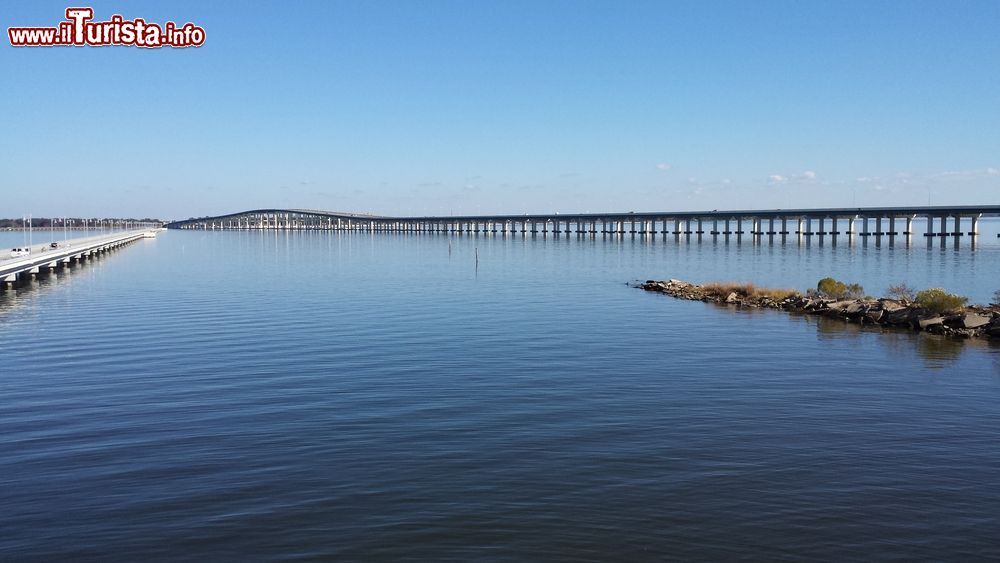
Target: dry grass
777,293
747,290
723,289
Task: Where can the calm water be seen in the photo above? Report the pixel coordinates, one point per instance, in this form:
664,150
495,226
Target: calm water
225,396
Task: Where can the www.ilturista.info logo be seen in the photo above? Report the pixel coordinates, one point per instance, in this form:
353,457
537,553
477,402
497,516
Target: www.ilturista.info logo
78,30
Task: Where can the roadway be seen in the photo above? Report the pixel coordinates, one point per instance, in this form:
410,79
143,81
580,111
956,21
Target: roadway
44,256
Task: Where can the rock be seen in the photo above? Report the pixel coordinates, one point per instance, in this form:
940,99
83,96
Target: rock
925,324
891,306
938,329
953,321
832,313
899,317
854,308
973,320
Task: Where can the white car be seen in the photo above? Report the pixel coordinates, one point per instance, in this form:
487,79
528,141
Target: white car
15,252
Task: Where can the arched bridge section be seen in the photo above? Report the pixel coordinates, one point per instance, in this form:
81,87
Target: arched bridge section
930,221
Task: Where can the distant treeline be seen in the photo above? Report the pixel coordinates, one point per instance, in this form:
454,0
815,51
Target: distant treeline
71,222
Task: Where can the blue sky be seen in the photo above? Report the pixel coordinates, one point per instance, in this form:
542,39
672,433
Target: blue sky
436,107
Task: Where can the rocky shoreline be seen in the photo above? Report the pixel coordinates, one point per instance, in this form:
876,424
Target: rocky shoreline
970,322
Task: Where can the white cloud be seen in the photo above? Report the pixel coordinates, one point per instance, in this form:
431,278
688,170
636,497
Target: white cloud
664,166
964,174
801,178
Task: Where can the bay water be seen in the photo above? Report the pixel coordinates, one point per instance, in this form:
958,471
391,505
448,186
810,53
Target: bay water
349,396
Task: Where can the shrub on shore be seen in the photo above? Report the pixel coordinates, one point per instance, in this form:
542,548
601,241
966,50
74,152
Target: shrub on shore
902,292
939,301
835,289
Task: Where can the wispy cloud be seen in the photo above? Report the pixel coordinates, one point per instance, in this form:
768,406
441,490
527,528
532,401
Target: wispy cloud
970,174
664,166
805,177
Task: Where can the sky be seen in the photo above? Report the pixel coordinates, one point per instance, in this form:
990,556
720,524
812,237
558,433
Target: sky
427,107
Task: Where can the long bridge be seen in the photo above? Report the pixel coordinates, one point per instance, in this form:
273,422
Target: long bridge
46,258
941,221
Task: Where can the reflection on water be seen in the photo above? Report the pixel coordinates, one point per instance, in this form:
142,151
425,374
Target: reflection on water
937,351
29,290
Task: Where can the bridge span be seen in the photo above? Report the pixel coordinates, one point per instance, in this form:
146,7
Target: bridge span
941,221
46,258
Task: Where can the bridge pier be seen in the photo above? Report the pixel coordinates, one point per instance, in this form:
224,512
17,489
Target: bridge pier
684,223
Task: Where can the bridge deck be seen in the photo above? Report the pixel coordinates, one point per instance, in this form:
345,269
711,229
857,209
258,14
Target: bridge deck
43,254
715,214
